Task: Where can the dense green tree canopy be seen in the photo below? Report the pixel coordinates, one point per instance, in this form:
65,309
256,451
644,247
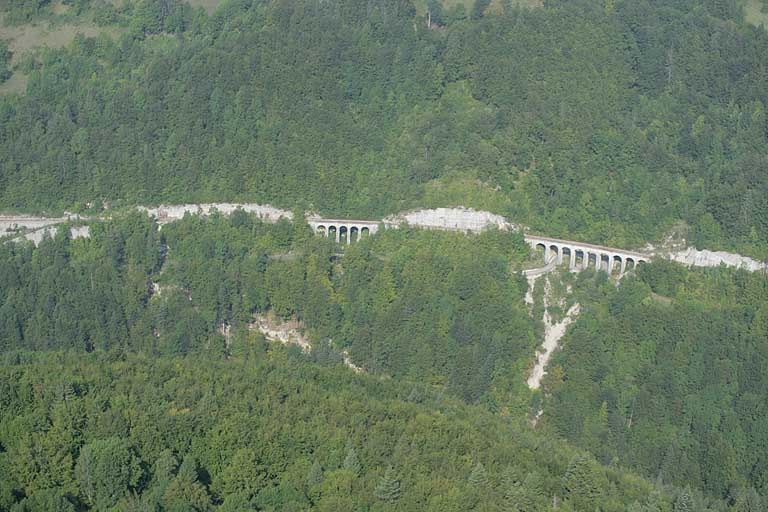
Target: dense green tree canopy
165,395
667,374
133,376
609,121
117,387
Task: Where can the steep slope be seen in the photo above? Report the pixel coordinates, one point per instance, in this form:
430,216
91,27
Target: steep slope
119,385
667,374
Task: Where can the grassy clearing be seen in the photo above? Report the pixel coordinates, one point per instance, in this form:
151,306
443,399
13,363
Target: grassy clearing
43,34
661,299
24,38
466,191
208,5
526,3
495,7
16,84
753,13
59,8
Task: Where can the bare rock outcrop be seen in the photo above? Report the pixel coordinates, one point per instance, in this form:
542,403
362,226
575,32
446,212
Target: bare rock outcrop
452,219
170,213
707,258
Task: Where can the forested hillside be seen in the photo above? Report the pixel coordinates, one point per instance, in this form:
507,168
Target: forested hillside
121,385
668,374
434,307
266,430
133,375
118,387
604,120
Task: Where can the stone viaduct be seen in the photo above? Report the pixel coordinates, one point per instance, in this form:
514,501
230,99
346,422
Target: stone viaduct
344,231
579,256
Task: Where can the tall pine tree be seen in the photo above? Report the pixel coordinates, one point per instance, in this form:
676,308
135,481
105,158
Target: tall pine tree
388,488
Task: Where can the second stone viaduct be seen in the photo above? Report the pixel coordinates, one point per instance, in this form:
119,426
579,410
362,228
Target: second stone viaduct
581,256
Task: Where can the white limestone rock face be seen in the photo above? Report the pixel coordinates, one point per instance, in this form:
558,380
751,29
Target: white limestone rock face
13,223
456,219
171,213
80,232
37,236
706,258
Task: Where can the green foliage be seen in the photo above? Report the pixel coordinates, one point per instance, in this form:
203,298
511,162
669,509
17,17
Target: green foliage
119,389
439,307
522,494
157,16
684,502
315,475
352,461
47,499
479,476
670,385
244,429
156,408
20,11
664,277
748,500
5,61
580,484
106,470
185,491
388,488
604,120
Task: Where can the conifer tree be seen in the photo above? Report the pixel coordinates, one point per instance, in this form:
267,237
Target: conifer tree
415,396
352,461
684,502
655,503
479,476
388,488
748,500
105,470
510,489
186,488
315,475
580,483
